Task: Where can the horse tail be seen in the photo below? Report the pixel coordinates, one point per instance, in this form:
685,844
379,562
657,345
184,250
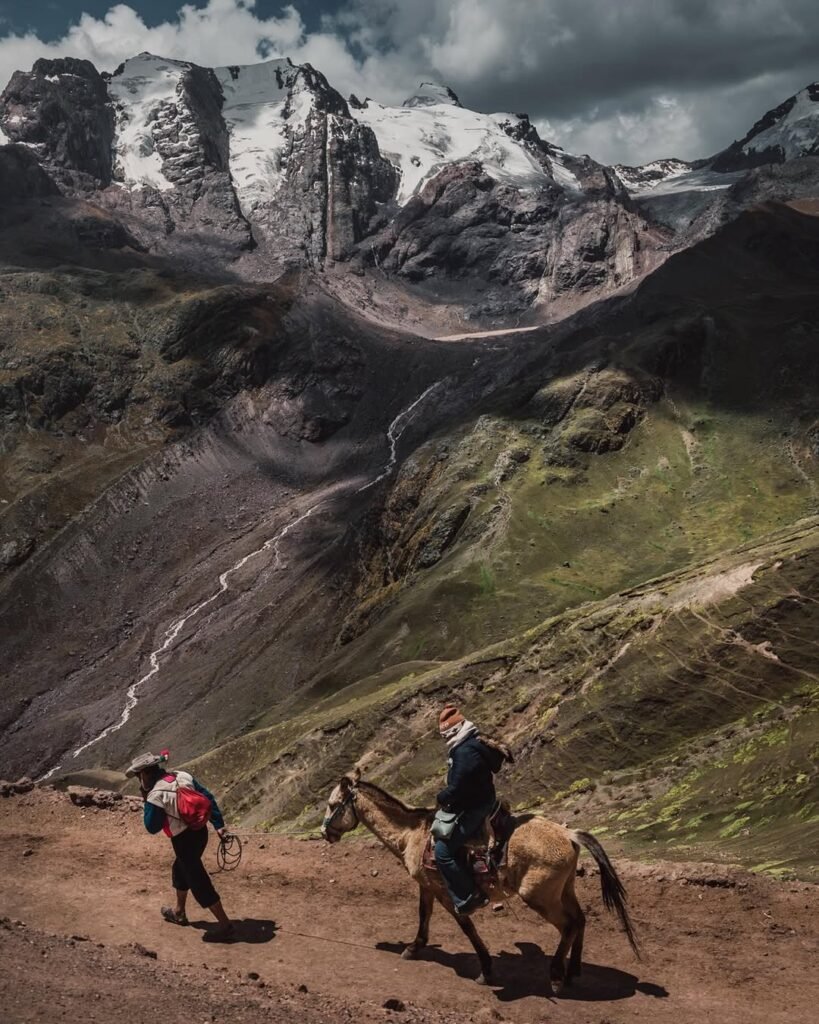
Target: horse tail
614,893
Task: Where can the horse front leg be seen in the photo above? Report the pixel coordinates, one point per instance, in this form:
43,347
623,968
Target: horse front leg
426,901
469,930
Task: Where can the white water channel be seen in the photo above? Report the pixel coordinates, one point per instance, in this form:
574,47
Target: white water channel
394,432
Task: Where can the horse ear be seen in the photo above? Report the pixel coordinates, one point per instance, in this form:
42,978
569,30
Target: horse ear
355,775
345,783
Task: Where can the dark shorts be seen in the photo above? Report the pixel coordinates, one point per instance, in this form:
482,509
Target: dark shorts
188,871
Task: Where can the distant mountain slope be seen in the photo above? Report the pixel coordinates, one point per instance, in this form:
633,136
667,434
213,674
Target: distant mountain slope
693,197
662,448
614,564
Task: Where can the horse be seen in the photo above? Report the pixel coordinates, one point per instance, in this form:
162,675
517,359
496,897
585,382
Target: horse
541,864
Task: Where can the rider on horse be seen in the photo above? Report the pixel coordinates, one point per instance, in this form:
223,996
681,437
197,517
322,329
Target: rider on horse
470,794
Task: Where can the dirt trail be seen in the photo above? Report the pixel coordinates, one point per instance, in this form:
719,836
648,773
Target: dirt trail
334,919
499,332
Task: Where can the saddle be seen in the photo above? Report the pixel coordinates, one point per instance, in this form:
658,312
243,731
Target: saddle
485,853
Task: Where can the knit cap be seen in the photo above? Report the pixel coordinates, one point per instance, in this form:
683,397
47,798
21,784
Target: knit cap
449,718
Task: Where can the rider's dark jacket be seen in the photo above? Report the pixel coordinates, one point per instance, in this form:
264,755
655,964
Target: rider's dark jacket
469,782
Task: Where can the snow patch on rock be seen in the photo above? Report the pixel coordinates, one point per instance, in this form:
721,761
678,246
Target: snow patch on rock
563,175
266,110
256,112
143,91
420,140
430,93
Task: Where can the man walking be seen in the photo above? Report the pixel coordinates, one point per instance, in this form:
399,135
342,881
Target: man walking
176,804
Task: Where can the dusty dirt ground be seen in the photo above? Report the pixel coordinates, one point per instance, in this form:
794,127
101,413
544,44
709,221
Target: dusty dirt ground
80,887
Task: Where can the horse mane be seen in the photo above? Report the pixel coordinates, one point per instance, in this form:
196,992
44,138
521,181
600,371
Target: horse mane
393,800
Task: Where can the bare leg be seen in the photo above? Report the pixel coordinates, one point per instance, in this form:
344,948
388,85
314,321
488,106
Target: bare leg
426,902
181,901
219,913
557,971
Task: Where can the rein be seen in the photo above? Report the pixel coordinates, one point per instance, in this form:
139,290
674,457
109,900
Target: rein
348,801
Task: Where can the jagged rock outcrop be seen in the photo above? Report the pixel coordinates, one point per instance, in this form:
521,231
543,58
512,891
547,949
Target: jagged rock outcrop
519,247
310,179
61,110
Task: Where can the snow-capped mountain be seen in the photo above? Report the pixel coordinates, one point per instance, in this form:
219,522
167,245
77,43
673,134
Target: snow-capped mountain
787,132
691,198
267,166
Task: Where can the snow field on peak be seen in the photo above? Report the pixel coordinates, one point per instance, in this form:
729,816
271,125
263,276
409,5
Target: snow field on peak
795,133
143,94
563,175
651,175
672,177
256,113
419,140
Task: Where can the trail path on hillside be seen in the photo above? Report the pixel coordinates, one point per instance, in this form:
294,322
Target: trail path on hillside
488,334
334,919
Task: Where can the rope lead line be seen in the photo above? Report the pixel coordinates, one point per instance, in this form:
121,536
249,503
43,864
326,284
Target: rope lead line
229,852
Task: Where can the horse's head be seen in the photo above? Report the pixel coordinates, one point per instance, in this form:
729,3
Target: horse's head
341,814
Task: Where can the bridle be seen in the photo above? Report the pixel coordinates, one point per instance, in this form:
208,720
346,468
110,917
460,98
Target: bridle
348,801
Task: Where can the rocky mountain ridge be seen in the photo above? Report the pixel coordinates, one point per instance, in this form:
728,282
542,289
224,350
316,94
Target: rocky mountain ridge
258,169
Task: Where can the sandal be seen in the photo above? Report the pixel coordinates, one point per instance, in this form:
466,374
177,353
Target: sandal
172,915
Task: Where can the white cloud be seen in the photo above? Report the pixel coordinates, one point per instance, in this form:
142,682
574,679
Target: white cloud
223,32
626,80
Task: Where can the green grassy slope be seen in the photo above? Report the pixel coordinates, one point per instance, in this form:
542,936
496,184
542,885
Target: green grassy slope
628,541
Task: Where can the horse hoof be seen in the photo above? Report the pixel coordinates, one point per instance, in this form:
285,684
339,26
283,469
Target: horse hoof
410,953
482,979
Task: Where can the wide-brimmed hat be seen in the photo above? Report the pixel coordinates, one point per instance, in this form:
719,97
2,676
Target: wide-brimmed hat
146,761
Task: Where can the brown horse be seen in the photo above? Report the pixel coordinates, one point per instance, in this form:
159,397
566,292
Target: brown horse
540,866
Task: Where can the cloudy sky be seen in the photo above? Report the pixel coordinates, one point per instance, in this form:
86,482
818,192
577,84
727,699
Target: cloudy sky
624,80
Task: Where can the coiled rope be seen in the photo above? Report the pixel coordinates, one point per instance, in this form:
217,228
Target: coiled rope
229,852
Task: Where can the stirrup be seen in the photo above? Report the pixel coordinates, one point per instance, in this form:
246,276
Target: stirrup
476,901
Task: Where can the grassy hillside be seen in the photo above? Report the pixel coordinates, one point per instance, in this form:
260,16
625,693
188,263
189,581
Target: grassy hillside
614,565
682,711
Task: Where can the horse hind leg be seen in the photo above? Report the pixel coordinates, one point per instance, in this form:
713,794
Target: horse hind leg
550,907
575,912
426,903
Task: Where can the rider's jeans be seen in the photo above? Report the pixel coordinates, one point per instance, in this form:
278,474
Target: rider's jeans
459,880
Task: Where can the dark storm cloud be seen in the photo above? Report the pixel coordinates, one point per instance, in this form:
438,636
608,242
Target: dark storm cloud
577,63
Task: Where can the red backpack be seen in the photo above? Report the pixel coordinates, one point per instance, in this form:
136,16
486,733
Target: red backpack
192,806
